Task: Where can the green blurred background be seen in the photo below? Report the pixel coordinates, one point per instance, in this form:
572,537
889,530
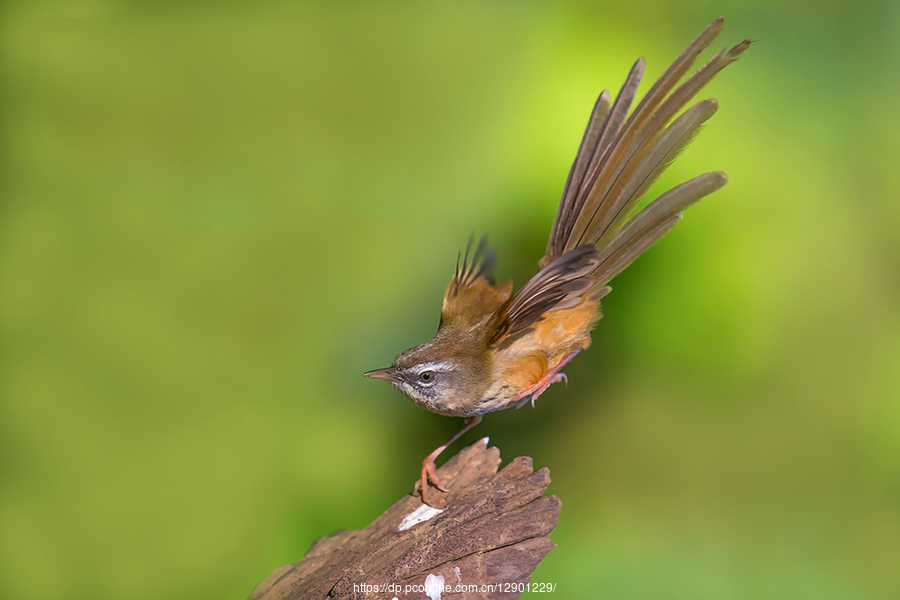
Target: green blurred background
213,219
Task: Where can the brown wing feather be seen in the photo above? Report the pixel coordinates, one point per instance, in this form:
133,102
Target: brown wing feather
561,284
472,295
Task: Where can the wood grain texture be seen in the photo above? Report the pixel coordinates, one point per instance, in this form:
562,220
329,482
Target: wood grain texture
493,529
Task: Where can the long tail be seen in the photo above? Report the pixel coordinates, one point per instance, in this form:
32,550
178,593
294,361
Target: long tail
619,159
597,232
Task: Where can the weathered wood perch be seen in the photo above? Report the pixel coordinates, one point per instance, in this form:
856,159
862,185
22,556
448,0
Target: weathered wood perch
491,528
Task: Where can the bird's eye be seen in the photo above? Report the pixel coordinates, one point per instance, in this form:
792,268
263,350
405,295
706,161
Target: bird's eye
426,376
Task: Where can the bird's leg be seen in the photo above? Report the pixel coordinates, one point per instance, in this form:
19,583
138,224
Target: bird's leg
428,466
553,376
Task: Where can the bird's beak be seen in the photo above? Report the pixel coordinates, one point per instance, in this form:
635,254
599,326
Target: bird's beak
386,374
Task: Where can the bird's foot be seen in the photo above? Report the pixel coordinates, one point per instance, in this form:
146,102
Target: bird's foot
429,472
532,393
429,469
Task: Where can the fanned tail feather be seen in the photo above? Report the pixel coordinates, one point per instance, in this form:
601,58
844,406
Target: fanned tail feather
651,223
598,231
619,160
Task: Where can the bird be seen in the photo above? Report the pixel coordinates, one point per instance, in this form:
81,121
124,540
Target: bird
495,348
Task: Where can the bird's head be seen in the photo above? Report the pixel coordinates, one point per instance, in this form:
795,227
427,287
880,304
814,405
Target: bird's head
435,375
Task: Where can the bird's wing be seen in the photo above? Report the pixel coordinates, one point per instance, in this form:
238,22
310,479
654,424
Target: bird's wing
564,283
472,295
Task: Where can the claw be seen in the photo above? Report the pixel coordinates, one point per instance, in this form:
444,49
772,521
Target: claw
555,379
541,390
432,474
429,469
429,472
541,386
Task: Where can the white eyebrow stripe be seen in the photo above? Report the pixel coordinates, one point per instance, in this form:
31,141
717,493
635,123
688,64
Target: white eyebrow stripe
432,365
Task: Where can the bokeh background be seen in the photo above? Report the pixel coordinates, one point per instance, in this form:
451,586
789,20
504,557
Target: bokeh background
213,218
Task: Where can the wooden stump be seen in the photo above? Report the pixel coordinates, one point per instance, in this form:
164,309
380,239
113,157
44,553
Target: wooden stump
482,539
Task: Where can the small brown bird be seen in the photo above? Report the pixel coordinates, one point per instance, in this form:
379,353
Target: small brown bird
495,349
